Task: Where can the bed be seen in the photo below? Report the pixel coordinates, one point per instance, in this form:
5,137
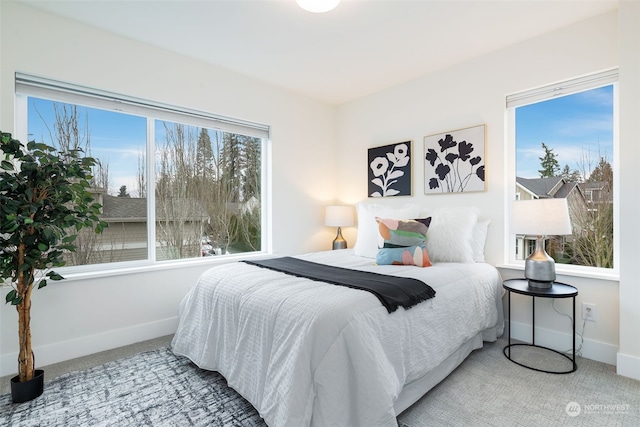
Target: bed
308,353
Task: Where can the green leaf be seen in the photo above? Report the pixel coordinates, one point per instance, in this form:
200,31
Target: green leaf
11,296
77,187
33,254
6,165
48,233
54,276
69,239
42,283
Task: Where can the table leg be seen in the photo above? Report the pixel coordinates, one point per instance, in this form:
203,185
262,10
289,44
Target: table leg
509,308
573,339
533,320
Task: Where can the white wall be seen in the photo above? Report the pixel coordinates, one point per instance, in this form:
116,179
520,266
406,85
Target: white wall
85,315
629,34
473,93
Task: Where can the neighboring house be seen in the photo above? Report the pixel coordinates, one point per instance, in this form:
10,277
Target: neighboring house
180,226
596,193
538,188
126,237
545,188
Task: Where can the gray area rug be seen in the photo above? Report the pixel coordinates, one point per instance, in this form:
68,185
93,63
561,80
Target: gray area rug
154,388
157,388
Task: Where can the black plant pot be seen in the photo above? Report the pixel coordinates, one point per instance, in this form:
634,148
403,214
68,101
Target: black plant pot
28,390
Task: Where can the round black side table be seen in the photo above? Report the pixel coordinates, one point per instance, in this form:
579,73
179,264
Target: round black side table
557,290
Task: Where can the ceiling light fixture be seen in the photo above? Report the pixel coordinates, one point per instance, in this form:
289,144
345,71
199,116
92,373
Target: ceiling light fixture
318,6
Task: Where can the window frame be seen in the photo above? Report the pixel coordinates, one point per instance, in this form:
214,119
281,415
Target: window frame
540,94
33,86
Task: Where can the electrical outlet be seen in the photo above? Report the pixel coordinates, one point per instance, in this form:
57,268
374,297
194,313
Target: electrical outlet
589,312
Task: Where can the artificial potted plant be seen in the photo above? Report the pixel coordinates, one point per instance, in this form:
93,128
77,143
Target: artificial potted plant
44,202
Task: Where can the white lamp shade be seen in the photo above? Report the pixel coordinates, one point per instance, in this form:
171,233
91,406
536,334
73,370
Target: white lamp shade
318,6
540,217
338,216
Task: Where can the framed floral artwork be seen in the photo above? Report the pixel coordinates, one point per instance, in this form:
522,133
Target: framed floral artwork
454,161
389,170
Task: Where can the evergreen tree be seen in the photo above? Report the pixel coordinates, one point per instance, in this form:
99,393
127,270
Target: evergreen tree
602,172
251,177
204,155
123,192
232,166
549,163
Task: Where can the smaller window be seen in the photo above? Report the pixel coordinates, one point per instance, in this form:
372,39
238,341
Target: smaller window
565,141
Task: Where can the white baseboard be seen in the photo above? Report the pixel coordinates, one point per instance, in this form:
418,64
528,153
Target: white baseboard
628,366
83,346
591,349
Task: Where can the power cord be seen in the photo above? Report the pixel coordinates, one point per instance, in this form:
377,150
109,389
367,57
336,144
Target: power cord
580,334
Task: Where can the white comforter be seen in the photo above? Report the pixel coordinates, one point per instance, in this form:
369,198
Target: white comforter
307,353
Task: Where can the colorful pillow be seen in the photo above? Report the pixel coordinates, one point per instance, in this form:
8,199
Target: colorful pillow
409,232
367,241
412,255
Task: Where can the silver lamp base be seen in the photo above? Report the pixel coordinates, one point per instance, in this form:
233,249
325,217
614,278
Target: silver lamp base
540,268
339,242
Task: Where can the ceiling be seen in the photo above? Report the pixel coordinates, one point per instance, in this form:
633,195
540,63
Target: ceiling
360,47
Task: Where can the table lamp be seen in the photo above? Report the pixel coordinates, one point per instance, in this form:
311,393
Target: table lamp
540,218
339,216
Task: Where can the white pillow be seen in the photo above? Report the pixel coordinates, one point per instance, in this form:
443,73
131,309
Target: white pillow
479,238
367,239
450,235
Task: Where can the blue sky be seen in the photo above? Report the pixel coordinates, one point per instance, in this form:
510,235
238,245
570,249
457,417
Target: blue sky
574,126
118,145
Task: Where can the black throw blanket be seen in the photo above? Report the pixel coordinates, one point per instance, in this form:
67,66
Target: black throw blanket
392,291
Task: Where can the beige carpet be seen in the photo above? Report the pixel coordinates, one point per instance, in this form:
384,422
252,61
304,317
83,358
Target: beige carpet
489,390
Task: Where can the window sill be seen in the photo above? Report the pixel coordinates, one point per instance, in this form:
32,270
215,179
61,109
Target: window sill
572,271
72,273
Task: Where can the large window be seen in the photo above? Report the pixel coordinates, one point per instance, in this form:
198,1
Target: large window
174,184
565,147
